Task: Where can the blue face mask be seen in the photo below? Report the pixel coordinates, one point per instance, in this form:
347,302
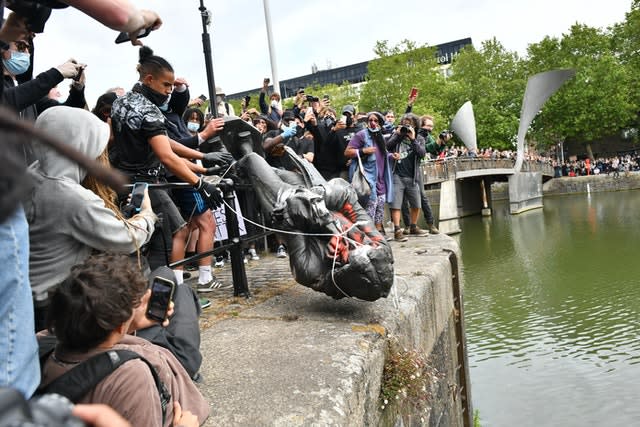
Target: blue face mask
18,63
193,126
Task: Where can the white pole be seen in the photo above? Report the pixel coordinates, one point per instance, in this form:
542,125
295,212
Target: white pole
272,51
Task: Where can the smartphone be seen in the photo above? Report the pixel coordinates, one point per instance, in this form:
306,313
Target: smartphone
247,99
343,119
124,37
203,97
208,117
161,295
137,195
309,110
77,77
414,92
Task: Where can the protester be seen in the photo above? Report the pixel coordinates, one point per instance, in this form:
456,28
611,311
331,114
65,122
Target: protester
111,296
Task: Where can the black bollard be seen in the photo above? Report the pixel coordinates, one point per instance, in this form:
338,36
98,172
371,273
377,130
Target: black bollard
240,284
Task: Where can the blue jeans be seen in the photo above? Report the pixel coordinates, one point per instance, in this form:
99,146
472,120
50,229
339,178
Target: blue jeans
19,363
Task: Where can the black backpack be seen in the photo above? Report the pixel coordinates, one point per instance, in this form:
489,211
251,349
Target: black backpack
85,376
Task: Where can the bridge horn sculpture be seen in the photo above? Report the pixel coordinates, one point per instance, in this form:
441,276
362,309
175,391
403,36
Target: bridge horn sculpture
333,244
464,126
539,88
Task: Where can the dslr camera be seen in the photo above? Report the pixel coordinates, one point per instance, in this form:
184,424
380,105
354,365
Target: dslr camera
311,98
445,134
404,130
48,410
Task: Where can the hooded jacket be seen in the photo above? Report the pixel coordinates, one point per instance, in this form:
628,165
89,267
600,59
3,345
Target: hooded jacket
67,221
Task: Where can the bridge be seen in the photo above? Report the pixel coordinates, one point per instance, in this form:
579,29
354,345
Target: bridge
465,186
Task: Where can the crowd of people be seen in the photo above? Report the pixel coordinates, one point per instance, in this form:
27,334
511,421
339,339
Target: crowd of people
82,261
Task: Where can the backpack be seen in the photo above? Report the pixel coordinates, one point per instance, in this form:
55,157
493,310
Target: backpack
82,378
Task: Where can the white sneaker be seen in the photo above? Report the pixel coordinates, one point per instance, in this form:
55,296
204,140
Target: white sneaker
281,252
253,255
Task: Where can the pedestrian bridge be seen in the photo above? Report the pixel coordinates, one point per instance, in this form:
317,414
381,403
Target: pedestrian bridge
465,186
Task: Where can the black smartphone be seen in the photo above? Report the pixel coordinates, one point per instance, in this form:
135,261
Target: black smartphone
203,97
161,295
137,195
124,37
77,77
247,99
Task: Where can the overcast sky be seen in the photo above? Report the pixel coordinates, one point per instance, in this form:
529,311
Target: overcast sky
328,34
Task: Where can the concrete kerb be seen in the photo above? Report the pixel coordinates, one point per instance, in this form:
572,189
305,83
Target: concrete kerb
300,358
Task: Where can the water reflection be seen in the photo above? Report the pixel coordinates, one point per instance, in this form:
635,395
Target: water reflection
553,311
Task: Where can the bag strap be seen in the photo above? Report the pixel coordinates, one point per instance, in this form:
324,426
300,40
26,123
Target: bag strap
81,379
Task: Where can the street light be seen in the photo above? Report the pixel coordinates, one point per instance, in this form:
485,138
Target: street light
206,47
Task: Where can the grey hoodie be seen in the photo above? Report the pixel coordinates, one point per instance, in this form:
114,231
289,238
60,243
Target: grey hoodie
66,221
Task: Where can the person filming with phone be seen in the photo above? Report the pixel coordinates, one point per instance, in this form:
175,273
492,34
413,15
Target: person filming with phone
95,310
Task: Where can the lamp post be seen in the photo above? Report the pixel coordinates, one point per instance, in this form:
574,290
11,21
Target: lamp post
206,47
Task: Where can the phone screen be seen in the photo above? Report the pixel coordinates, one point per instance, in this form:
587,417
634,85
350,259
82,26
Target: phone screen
414,92
137,194
161,294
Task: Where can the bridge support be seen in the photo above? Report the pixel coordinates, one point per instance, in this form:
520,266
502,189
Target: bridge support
486,210
449,223
525,191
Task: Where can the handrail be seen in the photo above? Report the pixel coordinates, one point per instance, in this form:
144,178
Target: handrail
439,170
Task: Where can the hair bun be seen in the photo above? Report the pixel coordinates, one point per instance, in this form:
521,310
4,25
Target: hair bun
145,52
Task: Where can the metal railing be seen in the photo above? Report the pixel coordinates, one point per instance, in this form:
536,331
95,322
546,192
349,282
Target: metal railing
439,170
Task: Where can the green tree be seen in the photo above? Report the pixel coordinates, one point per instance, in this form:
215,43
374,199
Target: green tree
596,102
492,78
396,70
626,47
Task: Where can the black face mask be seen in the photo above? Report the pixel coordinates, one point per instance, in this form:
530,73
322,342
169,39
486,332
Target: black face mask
299,131
329,121
155,97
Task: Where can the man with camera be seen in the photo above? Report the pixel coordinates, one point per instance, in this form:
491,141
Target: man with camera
406,173
434,147
113,299
274,110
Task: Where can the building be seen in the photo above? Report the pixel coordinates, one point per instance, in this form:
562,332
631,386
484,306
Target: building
353,74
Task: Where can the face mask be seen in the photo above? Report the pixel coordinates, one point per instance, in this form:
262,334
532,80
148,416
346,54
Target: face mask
18,63
165,105
329,121
193,126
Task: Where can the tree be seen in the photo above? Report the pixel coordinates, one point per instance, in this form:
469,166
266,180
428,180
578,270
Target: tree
492,78
396,70
596,102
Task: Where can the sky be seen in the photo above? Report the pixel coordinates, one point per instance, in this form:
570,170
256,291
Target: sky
328,34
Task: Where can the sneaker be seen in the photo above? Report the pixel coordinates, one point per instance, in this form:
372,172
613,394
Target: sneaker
219,262
417,231
281,252
399,236
405,231
204,303
253,255
213,285
432,229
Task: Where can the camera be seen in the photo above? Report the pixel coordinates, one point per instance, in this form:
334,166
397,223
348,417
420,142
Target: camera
404,130
311,98
48,410
445,134
36,14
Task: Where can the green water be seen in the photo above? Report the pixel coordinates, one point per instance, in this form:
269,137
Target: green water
552,310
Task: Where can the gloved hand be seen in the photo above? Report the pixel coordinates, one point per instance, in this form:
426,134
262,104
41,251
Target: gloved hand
290,131
218,158
209,192
214,170
69,69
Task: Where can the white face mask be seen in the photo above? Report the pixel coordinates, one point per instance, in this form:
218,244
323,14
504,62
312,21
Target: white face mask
193,126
